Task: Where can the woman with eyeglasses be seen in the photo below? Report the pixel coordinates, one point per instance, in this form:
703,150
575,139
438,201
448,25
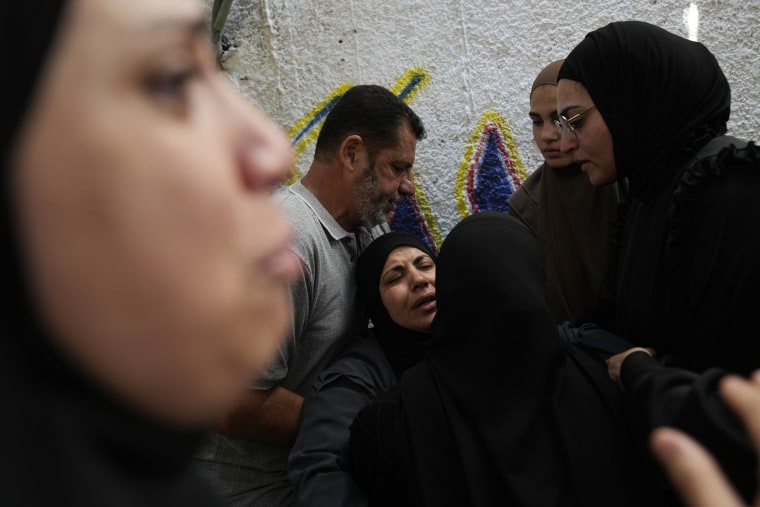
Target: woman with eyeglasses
571,218
146,267
639,103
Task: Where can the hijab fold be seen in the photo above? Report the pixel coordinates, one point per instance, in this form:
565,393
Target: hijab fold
573,221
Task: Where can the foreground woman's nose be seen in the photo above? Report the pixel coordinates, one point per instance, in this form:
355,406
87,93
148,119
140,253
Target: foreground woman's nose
265,155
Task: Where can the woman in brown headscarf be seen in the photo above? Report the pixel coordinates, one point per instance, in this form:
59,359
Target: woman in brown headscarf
570,217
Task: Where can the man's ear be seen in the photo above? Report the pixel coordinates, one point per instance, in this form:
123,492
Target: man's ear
352,151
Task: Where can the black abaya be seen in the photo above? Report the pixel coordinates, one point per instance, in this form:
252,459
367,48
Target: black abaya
501,412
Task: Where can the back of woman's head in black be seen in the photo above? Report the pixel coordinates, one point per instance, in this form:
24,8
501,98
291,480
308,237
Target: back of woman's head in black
491,297
494,362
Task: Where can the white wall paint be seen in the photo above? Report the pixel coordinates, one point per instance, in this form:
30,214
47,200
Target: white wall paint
480,55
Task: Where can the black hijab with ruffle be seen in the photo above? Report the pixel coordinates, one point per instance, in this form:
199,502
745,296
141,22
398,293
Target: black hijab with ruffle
686,269
662,97
66,441
402,347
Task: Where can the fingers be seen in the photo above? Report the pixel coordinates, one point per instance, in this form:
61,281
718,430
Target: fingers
694,473
615,363
691,469
743,398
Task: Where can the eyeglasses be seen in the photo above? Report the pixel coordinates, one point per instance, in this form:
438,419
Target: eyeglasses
567,125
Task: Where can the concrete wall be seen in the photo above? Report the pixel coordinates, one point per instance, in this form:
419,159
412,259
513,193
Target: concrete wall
465,66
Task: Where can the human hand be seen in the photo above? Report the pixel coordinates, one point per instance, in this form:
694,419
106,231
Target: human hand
614,363
691,468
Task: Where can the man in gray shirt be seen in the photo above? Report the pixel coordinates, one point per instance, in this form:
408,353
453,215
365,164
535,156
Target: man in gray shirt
361,169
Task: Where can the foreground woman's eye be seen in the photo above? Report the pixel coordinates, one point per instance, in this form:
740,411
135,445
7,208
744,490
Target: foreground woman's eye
172,85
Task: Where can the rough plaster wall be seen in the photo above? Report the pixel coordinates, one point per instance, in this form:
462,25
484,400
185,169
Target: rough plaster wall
479,56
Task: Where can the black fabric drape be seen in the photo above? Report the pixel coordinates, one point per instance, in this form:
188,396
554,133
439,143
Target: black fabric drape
501,412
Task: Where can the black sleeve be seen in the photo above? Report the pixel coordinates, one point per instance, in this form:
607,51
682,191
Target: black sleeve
316,462
375,455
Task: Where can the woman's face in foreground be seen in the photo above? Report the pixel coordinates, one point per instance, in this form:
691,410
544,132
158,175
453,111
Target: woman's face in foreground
159,261
407,288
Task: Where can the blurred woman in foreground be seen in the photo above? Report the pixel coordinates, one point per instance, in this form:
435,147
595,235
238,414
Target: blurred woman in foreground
149,269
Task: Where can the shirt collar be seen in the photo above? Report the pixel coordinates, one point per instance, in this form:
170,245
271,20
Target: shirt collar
326,219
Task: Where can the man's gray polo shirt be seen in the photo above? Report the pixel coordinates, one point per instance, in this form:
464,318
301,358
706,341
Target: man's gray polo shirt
325,310
325,315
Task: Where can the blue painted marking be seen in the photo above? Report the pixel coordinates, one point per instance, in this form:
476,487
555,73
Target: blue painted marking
492,183
411,85
317,118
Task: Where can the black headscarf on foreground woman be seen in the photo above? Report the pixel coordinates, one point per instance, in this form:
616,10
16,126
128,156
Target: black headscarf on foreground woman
500,412
402,347
687,267
65,441
25,66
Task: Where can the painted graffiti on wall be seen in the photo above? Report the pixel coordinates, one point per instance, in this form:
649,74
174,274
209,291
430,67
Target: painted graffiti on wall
413,215
490,171
305,130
